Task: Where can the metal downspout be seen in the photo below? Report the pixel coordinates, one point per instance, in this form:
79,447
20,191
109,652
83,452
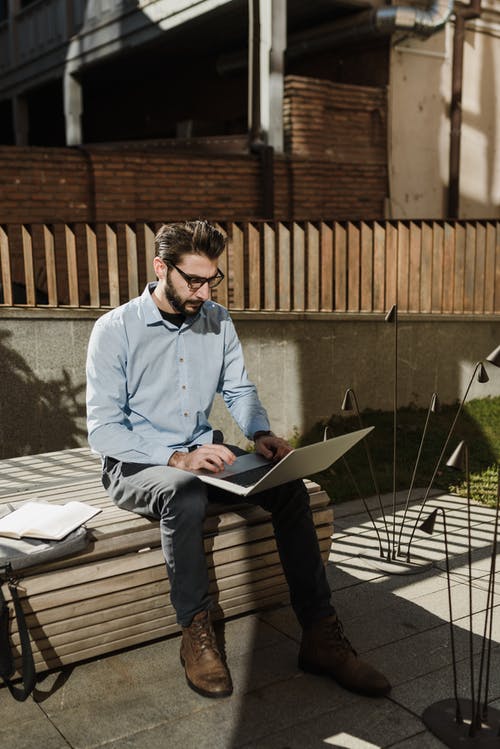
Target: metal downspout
257,139
465,14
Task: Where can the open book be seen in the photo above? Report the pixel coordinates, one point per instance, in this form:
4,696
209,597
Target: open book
46,521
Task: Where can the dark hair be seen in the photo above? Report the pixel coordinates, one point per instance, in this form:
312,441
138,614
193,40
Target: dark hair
173,241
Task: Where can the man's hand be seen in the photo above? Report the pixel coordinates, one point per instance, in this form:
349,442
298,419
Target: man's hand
271,447
211,458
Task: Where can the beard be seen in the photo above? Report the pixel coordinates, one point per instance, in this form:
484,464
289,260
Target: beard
187,307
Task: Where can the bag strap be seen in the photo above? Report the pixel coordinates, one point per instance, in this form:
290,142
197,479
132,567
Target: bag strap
6,657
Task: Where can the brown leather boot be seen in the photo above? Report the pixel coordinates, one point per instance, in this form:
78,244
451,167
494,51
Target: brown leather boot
326,650
205,670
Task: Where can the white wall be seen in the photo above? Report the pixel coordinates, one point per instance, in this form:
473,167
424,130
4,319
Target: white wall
419,126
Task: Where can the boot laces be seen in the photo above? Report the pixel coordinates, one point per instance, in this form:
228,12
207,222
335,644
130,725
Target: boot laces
202,636
334,634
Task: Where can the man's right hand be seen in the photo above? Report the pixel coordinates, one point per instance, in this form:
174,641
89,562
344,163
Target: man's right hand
213,458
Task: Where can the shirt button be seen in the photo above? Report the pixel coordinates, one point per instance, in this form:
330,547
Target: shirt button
183,387
186,413
181,358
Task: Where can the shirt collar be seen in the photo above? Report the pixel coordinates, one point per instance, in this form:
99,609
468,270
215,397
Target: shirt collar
152,314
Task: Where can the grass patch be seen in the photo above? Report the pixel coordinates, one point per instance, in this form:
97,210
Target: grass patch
478,425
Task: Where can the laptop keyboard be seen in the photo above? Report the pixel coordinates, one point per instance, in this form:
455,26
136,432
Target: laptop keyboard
248,478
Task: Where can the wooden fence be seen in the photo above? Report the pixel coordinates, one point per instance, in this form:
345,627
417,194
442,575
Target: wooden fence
435,266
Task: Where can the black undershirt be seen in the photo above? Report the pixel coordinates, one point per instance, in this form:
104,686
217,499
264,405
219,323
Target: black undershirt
174,318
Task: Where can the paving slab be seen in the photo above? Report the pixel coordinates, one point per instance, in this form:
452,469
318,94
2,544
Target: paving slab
138,698
24,725
420,693
363,724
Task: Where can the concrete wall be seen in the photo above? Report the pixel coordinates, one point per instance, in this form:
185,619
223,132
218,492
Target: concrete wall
419,124
301,367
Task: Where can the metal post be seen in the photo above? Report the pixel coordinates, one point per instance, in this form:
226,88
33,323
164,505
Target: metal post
73,107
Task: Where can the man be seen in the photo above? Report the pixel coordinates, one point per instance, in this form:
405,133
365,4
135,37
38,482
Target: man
154,366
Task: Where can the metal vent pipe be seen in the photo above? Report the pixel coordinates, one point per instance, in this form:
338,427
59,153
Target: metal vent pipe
375,23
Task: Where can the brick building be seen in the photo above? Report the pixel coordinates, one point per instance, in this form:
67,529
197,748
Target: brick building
243,109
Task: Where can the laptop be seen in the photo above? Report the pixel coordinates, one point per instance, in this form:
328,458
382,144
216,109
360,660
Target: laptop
253,473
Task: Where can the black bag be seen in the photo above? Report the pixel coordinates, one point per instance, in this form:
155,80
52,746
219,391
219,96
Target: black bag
16,557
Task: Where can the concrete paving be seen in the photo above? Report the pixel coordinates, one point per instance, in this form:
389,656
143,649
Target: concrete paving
398,620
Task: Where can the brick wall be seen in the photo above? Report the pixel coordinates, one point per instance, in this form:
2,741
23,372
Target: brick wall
335,168
344,124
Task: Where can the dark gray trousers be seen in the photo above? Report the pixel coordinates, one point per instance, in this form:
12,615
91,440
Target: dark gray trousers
178,499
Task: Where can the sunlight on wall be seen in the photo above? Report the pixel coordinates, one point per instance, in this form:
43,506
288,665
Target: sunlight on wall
170,13
480,147
465,370
419,93
419,135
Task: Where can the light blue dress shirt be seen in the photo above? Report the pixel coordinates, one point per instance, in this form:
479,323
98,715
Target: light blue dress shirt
151,385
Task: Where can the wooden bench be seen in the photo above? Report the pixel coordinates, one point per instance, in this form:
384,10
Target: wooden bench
115,593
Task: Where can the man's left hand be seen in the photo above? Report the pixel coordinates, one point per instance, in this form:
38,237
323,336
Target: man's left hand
271,447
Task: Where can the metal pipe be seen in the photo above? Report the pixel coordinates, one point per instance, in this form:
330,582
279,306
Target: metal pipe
357,27
473,11
255,130
381,22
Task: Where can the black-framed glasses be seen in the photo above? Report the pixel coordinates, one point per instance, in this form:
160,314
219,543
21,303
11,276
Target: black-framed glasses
196,282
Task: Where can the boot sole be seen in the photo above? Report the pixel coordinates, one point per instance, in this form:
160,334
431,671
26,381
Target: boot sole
204,692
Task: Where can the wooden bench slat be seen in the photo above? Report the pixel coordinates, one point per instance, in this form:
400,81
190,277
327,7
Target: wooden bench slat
147,635
116,592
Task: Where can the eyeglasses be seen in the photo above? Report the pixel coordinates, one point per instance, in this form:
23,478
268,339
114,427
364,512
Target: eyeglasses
196,282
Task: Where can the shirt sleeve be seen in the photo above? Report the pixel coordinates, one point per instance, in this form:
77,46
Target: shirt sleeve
109,430
239,393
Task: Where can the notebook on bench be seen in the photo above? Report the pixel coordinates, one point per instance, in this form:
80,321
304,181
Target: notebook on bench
253,473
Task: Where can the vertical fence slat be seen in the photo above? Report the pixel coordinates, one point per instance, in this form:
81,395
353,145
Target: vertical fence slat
132,265
415,265
458,291
469,267
149,252
437,267
50,265
5,267
378,268
221,293
478,304
237,272
113,266
353,269
489,269
403,266
312,234
93,263
269,239
366,268
497,268
426,268
253,238
299,268
72,264
284,268
340,238
391,266
449,268
29,275
326,278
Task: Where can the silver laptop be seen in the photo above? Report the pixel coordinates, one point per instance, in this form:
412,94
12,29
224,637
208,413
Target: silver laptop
253,473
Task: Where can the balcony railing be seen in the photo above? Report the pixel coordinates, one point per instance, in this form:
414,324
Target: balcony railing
44,26
313,267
